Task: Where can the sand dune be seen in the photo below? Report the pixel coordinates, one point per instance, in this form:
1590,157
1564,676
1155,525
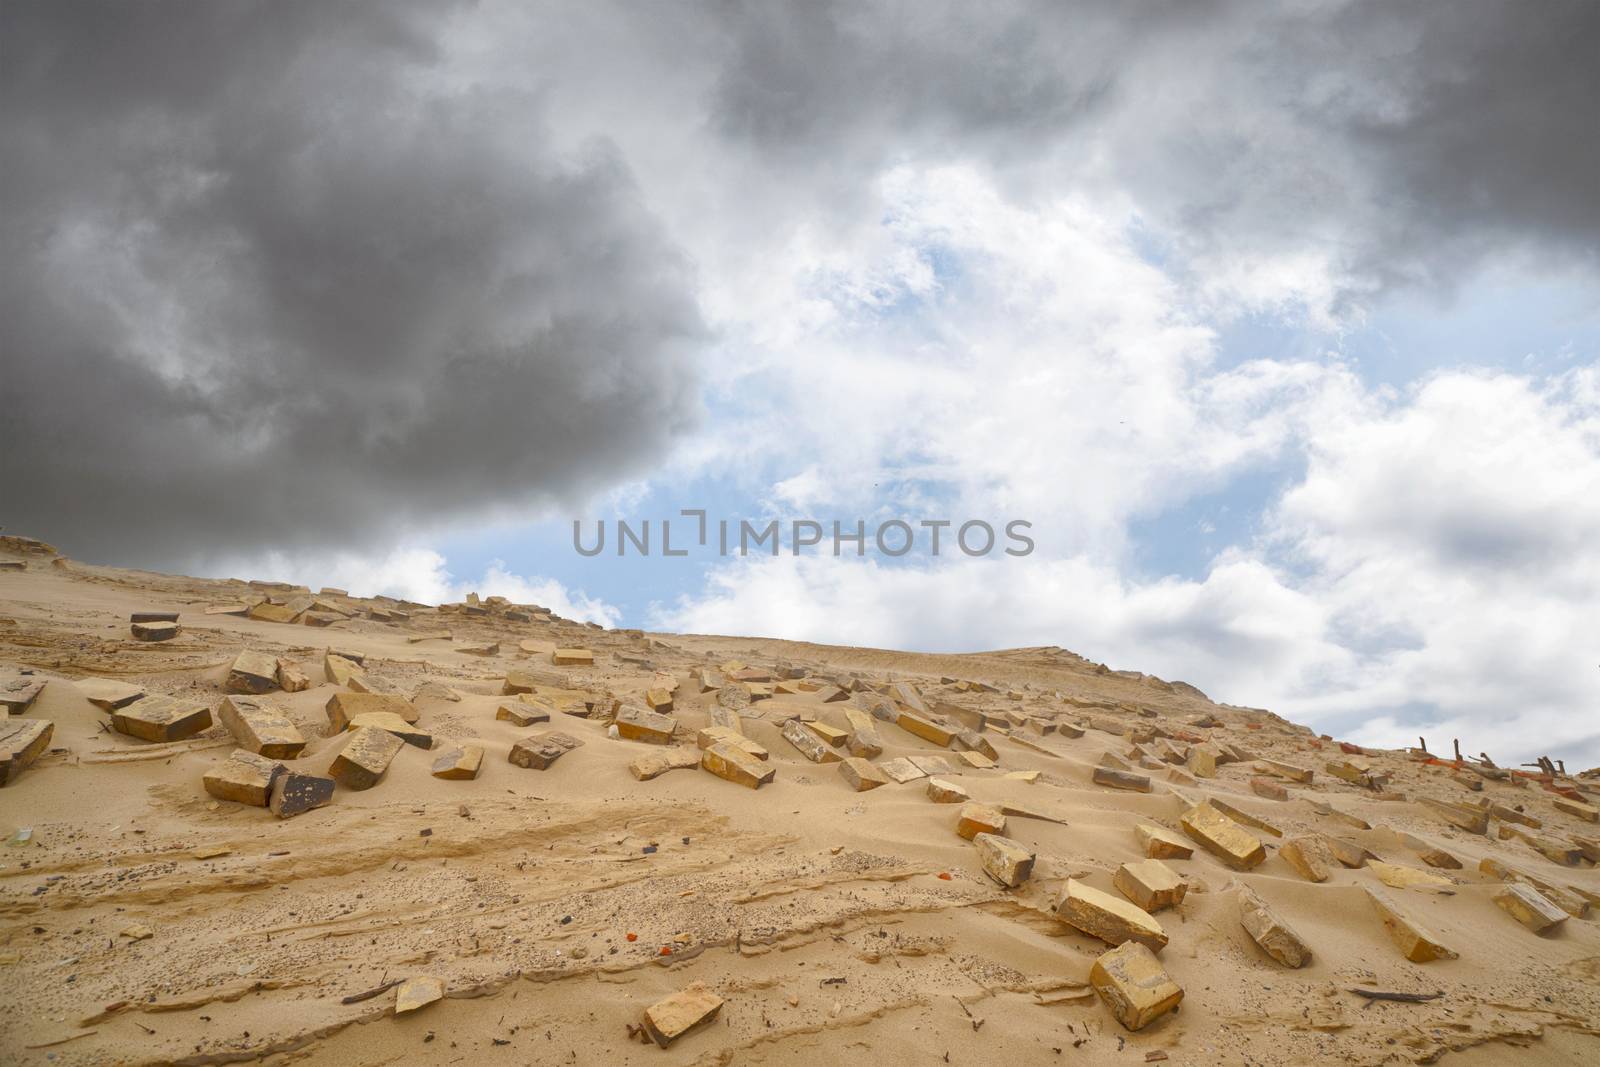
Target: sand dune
143,920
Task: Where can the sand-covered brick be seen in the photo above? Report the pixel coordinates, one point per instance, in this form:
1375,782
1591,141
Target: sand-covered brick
1310,856
736,766
1150,884
517,713
244,778
667,1020
1115,779
342,708
22,741
978,819
808,744
1415,941
1222,837
411,734
261,726
640,724
108,694
1158,842
572,657
1006,861
1529,907
654,764
162,718
1134,986
925,728
941,791
252,672
861,774
1111,919
1269,931
459,764
365,757
541,750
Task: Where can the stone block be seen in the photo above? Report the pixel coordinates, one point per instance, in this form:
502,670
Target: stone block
252,672
162,718
244,778
809,744
1150,884
22,741
640,724
1134,986
941,791
1222,837
459,764
365,757
861,774
261,727
1006,861
1270,932
978,819
736,765
294,794
1158,842
667,1020
541,750
1415,941
1111,919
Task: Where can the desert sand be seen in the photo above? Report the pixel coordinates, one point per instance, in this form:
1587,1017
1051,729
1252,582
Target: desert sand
538,915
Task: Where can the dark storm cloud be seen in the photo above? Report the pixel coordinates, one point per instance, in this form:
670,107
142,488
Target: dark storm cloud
1411,140
273,277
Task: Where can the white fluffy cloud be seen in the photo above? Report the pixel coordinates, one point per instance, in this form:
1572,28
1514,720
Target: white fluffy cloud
1428,570
1433,572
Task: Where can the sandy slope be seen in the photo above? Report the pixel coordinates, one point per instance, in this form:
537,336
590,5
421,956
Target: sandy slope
816,912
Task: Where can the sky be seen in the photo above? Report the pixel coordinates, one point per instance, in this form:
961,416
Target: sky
1277,323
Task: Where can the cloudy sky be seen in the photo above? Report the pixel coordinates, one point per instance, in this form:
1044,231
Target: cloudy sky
1279,322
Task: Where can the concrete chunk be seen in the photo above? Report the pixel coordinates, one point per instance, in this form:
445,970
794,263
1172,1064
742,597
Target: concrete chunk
1111,919
1150,884
1222,837
1006,861
1134,985
1415,941
365,757
261,727
667,1020
1270,932
736,765
252,672
459,764
162,718
1160,843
